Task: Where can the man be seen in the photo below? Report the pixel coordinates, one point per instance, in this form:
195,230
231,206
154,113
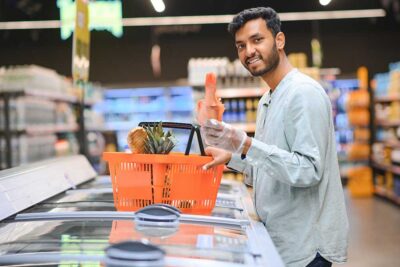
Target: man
291,162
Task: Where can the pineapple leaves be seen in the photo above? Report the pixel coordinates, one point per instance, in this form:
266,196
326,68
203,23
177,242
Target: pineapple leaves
159,142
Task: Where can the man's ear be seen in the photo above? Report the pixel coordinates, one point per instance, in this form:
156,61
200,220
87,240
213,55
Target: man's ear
280,40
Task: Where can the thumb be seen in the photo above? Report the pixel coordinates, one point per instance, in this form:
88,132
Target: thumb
209,165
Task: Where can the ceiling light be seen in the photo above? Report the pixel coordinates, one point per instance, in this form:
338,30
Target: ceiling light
324,2
158,5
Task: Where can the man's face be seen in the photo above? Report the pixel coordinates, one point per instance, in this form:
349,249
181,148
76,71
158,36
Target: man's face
256,47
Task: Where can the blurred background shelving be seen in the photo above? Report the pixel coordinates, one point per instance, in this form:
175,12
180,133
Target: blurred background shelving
386,135
340,90
38,117
124,108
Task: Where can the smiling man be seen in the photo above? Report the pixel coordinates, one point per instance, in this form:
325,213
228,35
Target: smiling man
291,162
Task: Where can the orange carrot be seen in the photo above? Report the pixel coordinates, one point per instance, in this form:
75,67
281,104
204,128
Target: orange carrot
210,107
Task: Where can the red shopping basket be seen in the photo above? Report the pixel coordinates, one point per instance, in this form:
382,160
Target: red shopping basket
176,179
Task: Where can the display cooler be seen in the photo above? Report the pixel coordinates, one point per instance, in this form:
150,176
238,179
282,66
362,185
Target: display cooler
60,213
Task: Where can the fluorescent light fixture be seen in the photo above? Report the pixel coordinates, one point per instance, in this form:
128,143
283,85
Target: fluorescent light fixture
326,15
30,25
224,19
158,5
217,19
324,2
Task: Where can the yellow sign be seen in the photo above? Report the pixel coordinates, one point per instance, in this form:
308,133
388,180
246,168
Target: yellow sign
81,42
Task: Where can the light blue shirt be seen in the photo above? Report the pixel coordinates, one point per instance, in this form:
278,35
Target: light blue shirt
292,165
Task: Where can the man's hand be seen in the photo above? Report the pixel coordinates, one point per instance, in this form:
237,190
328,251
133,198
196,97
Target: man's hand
220,156
223,135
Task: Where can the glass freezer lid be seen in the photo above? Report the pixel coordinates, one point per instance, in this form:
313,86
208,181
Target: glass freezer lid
102,181
92,237
109,206
98,200
97,195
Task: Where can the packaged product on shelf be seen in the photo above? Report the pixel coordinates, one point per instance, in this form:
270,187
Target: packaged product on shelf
396,186
395,157
359,117
362,135
357,99
35,148
394,112
358,151
15,147
389,180
66,144
360,181
394,85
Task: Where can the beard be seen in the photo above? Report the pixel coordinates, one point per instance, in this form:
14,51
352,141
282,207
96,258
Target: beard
272,63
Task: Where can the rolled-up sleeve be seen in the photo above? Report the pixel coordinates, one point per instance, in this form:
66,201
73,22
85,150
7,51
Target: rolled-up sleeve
306,123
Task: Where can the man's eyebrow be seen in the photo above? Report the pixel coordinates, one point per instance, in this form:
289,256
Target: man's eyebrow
256,35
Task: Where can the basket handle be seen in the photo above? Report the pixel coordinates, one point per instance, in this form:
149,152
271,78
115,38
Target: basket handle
180,125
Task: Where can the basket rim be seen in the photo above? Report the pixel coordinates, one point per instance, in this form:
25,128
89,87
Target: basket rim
173,157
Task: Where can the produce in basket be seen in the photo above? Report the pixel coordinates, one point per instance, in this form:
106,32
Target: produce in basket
211,106
137,138
151,140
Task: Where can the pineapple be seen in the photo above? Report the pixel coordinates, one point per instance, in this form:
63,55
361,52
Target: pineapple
137,139
159,142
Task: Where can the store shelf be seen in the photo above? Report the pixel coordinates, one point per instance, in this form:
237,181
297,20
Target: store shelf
36,130
394,123
384,99
11,94
387,194
241,92
12,132
380,166
392,144
58,96
143,109
386,167
98,129
44,129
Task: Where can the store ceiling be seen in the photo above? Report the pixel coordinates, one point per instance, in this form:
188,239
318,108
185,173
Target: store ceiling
128,56
14,10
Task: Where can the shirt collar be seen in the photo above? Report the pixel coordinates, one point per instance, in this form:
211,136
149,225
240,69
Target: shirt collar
281,84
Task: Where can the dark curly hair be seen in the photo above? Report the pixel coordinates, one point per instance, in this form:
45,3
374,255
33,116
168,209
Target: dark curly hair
268,14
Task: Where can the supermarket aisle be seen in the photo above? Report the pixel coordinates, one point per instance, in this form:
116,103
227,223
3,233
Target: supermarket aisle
374,232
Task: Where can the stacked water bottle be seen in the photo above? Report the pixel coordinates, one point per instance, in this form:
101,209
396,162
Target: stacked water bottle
230,74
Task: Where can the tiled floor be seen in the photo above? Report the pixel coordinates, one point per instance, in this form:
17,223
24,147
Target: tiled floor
374,233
